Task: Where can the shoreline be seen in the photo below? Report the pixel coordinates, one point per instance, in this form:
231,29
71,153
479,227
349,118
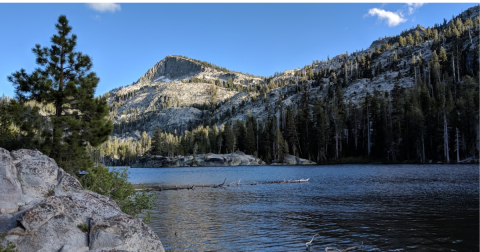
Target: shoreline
129,167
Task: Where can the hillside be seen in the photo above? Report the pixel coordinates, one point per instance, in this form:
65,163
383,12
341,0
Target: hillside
170,94
180,94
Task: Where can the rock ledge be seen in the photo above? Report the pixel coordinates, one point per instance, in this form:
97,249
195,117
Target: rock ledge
43,208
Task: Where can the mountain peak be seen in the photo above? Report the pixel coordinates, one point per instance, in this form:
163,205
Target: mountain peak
172,67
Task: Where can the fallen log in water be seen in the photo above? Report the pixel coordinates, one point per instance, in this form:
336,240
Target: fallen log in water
286,181
330,249
221,185
149,188
166,188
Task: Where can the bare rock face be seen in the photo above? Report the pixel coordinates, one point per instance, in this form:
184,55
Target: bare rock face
122,232
43,208
174,118
171,67
293,160
38,173
10,190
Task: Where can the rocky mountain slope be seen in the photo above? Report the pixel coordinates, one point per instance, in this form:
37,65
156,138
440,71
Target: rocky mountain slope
168,94
179,93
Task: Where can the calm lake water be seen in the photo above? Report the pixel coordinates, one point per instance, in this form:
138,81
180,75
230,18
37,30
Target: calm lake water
385,207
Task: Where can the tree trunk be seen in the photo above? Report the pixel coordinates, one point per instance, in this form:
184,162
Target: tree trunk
457,145
423,150
368,132
257,136
453,67
336,144
445,137
355,129
458,69
415,68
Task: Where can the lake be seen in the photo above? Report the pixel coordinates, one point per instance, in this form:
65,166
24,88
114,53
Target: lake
375,207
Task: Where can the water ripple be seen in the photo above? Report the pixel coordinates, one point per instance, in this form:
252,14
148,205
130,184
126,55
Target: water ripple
385,207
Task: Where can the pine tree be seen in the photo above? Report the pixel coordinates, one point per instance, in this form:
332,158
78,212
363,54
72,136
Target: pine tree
240,135
281,149
402,41
410,40
64,79
229,138
157,142
291,132
416,37
250,148
304,124
7,134
320,122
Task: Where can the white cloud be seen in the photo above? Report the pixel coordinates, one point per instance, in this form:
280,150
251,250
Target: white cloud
392,18
413,6
103,7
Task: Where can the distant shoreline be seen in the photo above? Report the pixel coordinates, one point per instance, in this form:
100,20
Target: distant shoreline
305,165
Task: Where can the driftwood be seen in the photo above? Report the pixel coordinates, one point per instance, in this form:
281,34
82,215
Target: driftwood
166,188
330,249
468,160
220,185
286,181
150,188
351,248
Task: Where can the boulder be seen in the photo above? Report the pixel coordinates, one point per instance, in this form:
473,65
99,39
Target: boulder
122,232
235,161
213,160
56,214
290,160
37,173
10,190
293,160
302,161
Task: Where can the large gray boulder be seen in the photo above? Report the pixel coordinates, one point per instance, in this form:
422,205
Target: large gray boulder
10,190
37,174
43,208
293,160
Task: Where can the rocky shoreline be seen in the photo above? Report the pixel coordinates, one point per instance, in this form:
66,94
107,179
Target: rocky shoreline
43,208
234,159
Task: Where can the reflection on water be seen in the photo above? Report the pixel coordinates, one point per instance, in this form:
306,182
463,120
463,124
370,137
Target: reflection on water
387,207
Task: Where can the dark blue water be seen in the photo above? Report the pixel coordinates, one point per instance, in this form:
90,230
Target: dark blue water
383,207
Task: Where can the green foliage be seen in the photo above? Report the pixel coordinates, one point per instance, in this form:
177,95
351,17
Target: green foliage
20,125
50,192
6,132
83,227
157,142
9,248
148,218
114,184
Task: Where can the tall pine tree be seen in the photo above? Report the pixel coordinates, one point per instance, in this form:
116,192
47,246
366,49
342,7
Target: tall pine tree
64,79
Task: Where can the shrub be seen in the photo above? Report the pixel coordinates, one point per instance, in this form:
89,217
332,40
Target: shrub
9,248
114,184
83,227
50,192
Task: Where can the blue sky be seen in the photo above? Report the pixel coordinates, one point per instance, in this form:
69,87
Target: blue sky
125,40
